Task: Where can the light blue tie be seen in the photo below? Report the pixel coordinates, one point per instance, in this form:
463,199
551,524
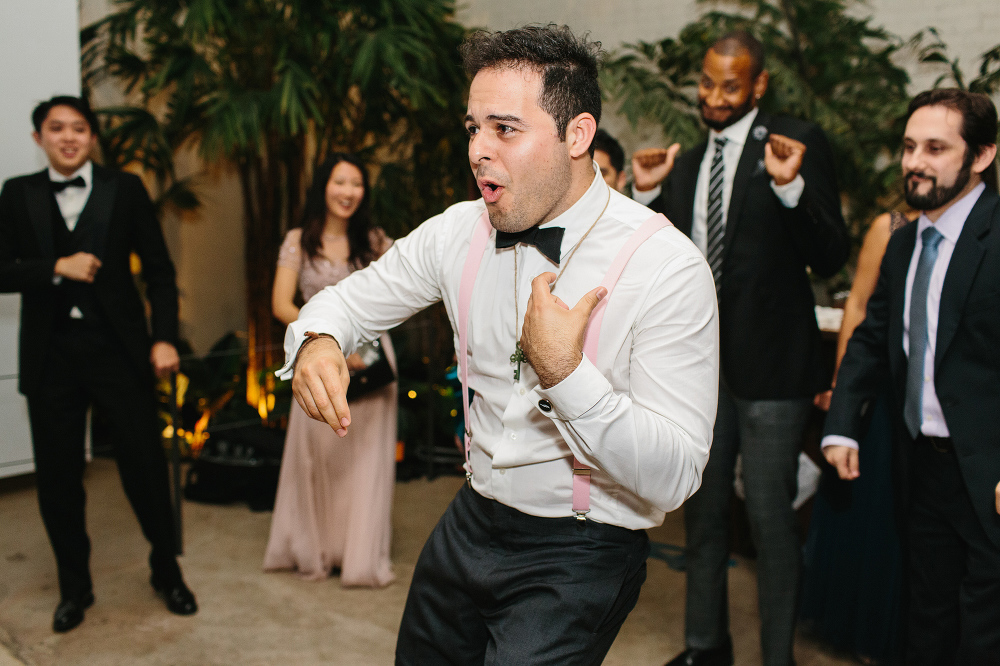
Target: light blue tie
913,406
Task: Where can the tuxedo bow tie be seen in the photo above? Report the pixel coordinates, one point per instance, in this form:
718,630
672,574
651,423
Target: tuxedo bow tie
60,185
547,240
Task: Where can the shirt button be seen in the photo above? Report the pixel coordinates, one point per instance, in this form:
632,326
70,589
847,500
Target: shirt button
545,405
502,472
522,391
513,435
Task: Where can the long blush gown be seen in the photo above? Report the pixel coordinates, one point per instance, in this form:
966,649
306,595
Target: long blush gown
334,502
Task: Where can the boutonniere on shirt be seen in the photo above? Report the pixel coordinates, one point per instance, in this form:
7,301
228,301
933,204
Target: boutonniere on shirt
760,133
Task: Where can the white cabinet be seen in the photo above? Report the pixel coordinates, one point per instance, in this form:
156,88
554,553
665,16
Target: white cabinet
15,435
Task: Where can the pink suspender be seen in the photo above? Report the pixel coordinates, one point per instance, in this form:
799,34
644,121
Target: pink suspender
581,473
469,273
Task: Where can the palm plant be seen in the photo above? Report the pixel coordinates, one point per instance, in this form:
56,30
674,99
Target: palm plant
826,65
270,87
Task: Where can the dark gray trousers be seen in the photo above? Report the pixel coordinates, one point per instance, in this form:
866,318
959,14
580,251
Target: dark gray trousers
496,586
768,434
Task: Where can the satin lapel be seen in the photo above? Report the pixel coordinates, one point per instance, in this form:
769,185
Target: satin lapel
962,268
753,153
687,182
898,267
97,212
40,203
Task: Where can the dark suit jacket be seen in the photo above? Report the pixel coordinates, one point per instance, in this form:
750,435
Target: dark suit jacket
770,342
124,221
966,356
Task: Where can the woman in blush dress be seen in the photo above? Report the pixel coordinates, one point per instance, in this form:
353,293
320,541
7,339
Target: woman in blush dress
334,501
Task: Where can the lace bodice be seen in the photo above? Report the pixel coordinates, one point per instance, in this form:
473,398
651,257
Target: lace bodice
316,274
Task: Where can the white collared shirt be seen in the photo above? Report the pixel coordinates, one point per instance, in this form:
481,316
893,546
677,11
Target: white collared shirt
642,418
950,225
736,138
72,199
71,202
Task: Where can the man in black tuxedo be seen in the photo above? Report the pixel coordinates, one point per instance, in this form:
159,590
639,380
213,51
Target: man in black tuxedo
932,331
66,236
760,199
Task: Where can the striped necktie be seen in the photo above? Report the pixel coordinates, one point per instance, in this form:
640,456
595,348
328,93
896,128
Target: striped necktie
716,226
913,403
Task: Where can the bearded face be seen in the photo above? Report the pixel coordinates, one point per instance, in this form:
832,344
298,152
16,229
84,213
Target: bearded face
924,192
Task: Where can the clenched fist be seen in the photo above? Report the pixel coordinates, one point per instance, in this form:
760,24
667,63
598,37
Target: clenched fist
650,166
783,158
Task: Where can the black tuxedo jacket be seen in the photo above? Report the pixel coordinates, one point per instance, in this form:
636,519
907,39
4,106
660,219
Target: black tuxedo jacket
966,357
123,221
770,342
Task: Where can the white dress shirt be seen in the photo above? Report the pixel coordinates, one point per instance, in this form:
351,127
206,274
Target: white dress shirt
71,202
641,418
736,137
72,199
950,224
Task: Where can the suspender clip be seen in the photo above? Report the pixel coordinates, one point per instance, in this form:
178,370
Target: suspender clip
581,514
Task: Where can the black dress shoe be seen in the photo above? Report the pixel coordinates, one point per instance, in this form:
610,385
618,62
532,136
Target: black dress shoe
179,599
69,612
719,656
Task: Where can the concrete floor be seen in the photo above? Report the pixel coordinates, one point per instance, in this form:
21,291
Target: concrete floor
247,617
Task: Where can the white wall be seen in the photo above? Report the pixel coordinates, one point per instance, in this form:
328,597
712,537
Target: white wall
968,27
39,49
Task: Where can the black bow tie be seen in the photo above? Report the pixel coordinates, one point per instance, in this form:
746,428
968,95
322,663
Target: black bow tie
547,240
60,185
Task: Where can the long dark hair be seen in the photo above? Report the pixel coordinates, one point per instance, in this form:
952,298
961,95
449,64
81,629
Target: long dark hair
314,215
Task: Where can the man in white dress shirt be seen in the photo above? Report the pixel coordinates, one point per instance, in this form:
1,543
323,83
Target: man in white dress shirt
932,330
510,575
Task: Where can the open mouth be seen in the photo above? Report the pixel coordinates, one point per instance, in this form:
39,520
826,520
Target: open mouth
491,191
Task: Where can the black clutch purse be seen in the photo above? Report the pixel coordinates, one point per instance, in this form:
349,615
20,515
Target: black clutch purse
376,374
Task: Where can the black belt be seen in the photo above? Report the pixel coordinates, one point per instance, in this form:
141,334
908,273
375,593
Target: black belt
939,444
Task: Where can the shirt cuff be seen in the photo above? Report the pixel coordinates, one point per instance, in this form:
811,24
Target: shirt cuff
645,198
838,440
575,395
790,193
295,337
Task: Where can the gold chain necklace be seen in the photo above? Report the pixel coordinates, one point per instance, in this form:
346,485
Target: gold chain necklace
518,356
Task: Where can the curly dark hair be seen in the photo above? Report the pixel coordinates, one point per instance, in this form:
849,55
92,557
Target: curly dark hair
568,65
314,214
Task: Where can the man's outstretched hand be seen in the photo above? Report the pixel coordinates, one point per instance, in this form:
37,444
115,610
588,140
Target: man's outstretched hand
320,383
552,335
